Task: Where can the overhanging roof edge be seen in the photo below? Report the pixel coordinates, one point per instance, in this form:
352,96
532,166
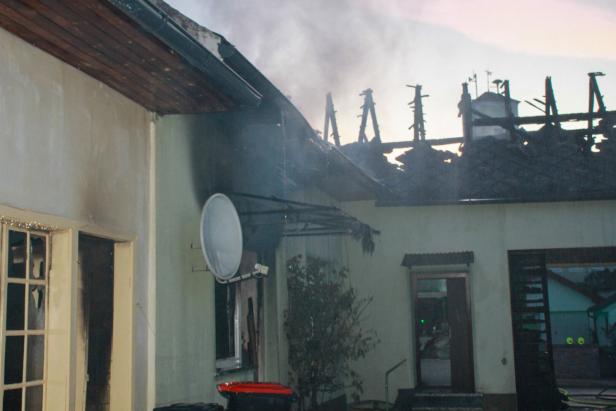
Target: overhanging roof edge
155,21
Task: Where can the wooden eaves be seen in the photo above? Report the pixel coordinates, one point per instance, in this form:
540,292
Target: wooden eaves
132,47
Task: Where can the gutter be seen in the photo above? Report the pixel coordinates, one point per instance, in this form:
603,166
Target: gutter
240,64
157,23
236,60
602,196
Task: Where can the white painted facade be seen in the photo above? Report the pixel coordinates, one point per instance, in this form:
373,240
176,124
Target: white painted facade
487,230
77,156
186,366
185,342
185,323
74,156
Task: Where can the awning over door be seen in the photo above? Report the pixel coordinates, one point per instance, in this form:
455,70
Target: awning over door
425,259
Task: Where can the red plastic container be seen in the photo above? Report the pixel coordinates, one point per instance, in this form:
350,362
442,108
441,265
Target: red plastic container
256,396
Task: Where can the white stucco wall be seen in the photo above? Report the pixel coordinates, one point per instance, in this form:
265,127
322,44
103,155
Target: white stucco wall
72,148
185,343
185,323
331,248
487,230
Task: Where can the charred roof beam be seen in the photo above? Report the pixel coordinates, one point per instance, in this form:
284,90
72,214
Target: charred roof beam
419,123
466,108
368,108
389,146
502,121
594,93
551,109
330,117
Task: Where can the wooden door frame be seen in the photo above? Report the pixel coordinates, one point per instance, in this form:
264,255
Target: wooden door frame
437,275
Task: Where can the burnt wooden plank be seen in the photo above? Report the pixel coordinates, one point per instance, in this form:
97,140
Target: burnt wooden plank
506,122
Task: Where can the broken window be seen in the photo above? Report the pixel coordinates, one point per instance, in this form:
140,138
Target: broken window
97,276
236,324
226,319
24,317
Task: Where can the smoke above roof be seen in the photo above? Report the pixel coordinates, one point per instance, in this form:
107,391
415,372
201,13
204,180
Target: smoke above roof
308,48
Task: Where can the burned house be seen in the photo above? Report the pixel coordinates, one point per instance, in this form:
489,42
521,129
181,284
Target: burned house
119,119
468,239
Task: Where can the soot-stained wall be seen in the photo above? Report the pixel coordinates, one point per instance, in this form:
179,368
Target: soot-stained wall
73,148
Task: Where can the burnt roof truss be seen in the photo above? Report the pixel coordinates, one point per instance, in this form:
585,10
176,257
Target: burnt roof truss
419,123
299,219
368,108
330,117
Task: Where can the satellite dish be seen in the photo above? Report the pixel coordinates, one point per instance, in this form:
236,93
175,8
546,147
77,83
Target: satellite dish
221,237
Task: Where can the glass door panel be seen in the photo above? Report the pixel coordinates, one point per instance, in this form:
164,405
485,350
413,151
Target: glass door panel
434,332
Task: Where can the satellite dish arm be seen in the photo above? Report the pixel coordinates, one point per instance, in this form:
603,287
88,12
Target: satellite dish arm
259,271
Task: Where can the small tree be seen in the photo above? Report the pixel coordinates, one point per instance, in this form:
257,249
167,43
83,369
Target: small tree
323,329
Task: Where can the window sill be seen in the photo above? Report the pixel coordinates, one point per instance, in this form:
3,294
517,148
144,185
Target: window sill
226,372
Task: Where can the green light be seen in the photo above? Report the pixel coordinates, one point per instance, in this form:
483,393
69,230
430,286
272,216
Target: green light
422,321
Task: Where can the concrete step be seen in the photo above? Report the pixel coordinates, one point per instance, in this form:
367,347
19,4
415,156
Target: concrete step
446,409
447,401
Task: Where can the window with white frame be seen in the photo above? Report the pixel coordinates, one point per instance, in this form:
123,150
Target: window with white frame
24,276
227,323
237,324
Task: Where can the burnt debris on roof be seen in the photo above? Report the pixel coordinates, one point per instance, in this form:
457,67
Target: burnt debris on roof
498,160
